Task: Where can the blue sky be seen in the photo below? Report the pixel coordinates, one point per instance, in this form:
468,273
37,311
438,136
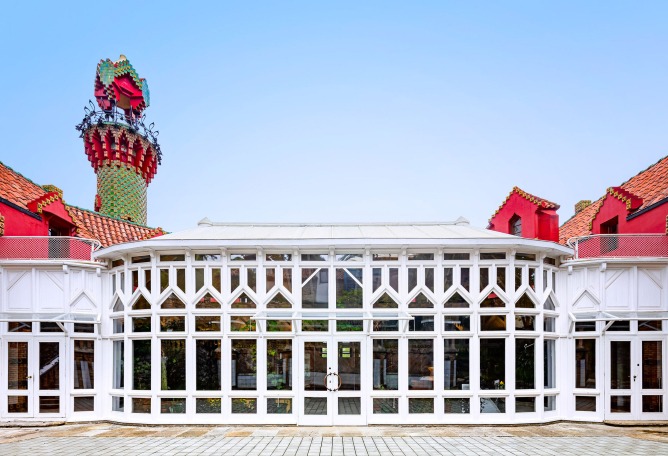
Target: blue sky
347,111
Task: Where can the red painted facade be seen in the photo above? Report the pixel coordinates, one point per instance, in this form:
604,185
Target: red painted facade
528,216
616,215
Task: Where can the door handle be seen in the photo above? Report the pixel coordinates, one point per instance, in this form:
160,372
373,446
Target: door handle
634,378
28,377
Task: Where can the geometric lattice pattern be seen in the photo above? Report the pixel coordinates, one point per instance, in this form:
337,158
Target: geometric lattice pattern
122,192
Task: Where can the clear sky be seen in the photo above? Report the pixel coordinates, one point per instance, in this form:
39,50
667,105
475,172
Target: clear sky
347,111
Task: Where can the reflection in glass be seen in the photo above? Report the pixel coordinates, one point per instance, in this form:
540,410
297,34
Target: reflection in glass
244,364
49,366
141,365
525,404
492,322
421,323
173,367
457,405
279,405
315,288
492,405
585,403
19,326
243,302
420,302
119,364
652,404
172,405
49,404
492,300
173,324
385,364
525,322
117,403
420,405
242,323
315,325
620,364
525,363
549,364
585,363
141,324
620,404
456,366
84,362
315,406
421,364
448,278
384,405
279,364
17,366
412,278
141,405
349,363
492,364
349,293
244,405
208,405
350,406
207,353
456,323
315,366
207,323
456,301
385,302
652,360
17,404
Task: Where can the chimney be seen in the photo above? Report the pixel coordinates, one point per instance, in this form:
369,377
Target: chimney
582,205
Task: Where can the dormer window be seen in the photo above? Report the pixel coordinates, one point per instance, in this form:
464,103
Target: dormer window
515,225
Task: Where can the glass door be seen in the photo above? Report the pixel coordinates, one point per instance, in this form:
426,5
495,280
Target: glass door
635,384
34,378
331,389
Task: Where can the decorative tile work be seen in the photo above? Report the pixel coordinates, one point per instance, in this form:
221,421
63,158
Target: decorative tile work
540,202
122,192
2,225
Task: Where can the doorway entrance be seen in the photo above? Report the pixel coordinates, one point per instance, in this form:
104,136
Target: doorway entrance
332,385
635,380
34,377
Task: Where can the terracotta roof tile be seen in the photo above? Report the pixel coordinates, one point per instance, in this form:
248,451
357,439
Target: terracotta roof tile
651,185
17,188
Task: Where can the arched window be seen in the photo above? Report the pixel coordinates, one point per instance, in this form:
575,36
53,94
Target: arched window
515,225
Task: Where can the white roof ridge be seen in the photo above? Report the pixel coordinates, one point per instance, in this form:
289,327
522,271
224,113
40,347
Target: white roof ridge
208,222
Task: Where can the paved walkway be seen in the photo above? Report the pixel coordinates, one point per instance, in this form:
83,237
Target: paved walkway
562,439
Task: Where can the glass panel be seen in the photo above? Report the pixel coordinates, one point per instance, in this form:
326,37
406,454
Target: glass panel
279,302
525,404
141,324
456,301
501,278
278,257
429,278
585,404
243,302
652,360
315,406
216,280
421,302
493,255
207,257
270,278
652,404
349,294
17,404
492,364
141,365
525,257
349,325
242,323
525,322
620,326
457,405
412,278
181,279
421,323
172,405
386,405
207,302
456,323
620,404
620,364
315,366
84,362
315,289
173,324
173,302
251,278
173,358
207,360
50,327
287,279
585,326
585,363
376,277
420,405
49,404
350,406
119,364
349,257
141,304
518,278
525,363
484,278
315,325
243,256
168,257
279,364
49,366
549,324
532,278
385,257
244,364
118,403
492,300
492,322
525,302
199,279
141,405
135,280
19,326
420,364
549,403
164,279
492,405
17,367
315,257
235,279
349,365
465,278
279,405
84,328
448,278
394,279
456,365
456,256
144,259
650,325
385,364
208,405
549,364
207,323
549,304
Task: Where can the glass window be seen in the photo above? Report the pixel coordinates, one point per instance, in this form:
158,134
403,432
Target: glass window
412,278
484,278
349,257
277,405
216,280
456,256
242,323
141,303
456,323
525,404
493,300
207,359
457,405
394,279
385,257
525,322
585,403
279,302
620,326
456,301
19,326
244,364
501,278
208,405
279,364
278,257
492,364
135,280
279,325
376,278
421,364
420,256
164,279
652,361
550,403
207,323
118,380
117,263
141,365
84,328
492,323
287,279
385,364
173,324
518,278
525,256
525,302
181,279
141,324
420,302
585,363
49,327
525,363
84,404
172,405
421,323
549,363
251,278
385,405
199,279
349,293
448,278
315,325
243,257
492,255
84,364
315,288
456,355
315,257
549,304
207,257
171,257
492,405
532,278
549,324
141,259
147,279
243,302
650,325
141,405
429,278
244,405
420,405
235,280
173,357
118,305
270,278
207,302
585,326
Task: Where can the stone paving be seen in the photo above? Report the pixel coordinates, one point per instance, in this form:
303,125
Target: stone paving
562,439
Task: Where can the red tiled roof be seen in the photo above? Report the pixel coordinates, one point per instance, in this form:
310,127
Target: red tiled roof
541,202
17,188
109,230
651,185
20,190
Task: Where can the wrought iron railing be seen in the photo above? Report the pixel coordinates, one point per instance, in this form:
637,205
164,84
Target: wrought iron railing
619,246
47,248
